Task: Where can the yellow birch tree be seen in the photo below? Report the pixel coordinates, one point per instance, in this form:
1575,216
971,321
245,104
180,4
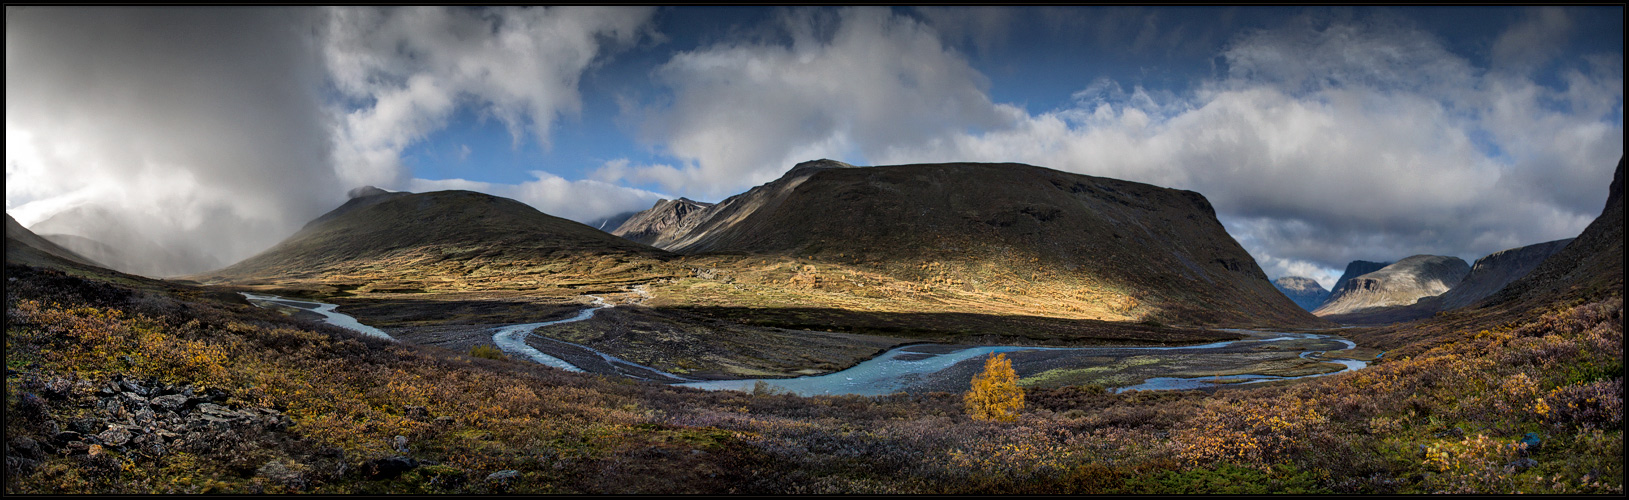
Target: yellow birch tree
995,394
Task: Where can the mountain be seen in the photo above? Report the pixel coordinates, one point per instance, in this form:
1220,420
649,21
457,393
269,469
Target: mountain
1033,238
613,222
101,235
1402,283
25,247
1488,275
666,218
1591,265
444,239
1306,292
1493,272
1354,269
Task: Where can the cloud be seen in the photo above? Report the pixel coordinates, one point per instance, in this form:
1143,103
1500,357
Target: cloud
580,200
1533,41
850,83
406,70
221,131
1330,141
201,127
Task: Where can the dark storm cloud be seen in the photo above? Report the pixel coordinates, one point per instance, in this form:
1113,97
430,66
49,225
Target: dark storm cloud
200,126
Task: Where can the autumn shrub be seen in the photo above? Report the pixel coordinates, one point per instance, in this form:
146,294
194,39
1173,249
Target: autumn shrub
488,352
995,394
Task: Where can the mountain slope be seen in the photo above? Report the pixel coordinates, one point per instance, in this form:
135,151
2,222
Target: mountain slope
1402,283
1306,292
104,236
1493,272
668,217
445,239
1026,236
1354,269
1591,265
25,247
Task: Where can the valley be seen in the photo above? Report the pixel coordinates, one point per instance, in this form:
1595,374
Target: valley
521,353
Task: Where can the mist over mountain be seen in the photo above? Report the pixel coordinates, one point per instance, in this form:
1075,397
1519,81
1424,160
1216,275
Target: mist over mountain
105,236
23,246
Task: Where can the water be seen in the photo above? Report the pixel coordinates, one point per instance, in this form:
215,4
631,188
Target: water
327,311
886,373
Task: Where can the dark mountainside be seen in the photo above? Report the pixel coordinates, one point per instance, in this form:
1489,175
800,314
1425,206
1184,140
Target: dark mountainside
1590,268
1354,269
1493,272
1306,292
97,234
438,238
1487,276
25,247
986,226
667,217
1591,265
1402,283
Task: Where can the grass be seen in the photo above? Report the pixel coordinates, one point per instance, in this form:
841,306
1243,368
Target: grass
1558,374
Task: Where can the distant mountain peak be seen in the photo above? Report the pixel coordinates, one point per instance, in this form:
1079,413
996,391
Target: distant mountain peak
1306,292
366,191
1399,284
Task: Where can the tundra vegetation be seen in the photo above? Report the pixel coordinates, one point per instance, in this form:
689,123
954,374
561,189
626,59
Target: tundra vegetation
118,389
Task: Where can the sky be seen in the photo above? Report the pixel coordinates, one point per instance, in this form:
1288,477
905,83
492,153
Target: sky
1320,135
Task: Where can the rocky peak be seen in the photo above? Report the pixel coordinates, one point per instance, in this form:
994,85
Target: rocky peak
1400,284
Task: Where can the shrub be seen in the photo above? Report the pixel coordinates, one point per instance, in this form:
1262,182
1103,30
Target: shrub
488,352
995,394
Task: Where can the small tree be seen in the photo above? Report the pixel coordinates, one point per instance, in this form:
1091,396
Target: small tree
995,394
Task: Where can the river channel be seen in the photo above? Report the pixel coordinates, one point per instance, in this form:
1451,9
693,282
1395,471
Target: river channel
910,368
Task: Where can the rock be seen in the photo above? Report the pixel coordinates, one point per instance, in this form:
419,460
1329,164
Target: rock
88,425
74,448
29,404
132,386
285,472
400,443
388,467
66,437
1522,464
145,417
170,402
117,436
502,476
57,388
26,447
